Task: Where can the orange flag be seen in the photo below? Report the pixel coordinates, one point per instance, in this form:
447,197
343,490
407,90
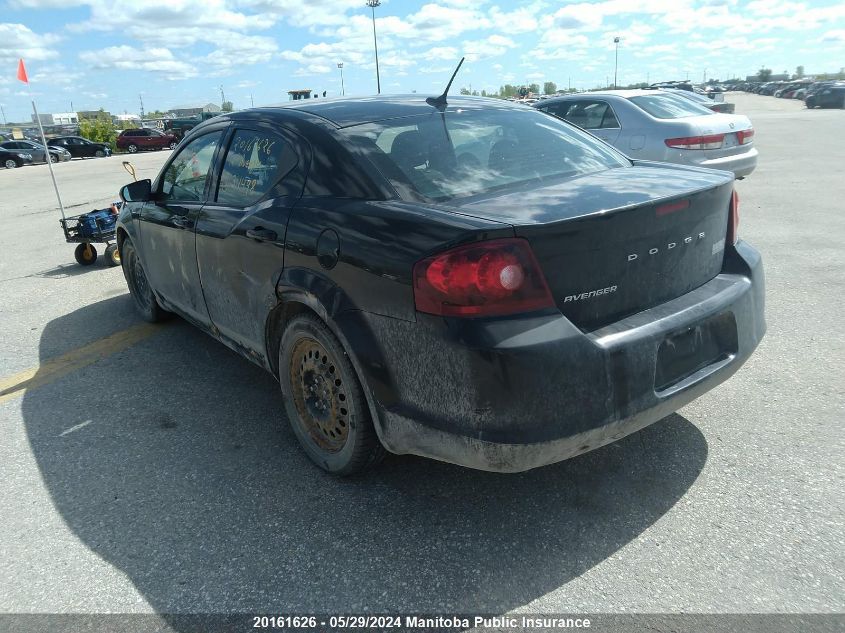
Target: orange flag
22,72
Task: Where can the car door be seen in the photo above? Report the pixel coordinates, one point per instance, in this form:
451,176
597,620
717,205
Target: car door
65,143
241,231
168,242
594,115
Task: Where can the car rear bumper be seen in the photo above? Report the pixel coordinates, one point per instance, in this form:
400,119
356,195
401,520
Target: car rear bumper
508,395
740,164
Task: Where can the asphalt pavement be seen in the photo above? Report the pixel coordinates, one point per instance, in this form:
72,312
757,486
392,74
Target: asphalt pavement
151,470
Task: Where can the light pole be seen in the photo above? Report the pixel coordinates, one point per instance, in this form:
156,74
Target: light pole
222,98
616,62
342,87
373,4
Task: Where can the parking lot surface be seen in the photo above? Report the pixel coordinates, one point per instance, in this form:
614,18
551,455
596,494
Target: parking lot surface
150,469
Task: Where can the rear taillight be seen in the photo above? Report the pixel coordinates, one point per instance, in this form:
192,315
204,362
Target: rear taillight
745,136
711,141
733,219
483,279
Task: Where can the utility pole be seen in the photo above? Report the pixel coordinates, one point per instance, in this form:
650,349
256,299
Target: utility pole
222,98
251,101
141,97
704,81
616,62
4,115
373,4
342,87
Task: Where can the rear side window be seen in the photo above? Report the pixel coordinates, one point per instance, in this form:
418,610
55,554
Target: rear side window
255,163
668,106
591,115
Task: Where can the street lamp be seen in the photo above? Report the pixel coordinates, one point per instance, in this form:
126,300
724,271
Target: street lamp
342,88
373,4
616,63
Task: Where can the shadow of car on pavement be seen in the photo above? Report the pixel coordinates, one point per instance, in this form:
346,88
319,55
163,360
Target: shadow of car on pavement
187,478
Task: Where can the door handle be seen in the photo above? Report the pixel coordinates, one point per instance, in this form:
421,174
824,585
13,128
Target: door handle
261,234
181,221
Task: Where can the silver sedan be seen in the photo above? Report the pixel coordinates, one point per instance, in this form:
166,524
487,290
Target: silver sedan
36,150
660,126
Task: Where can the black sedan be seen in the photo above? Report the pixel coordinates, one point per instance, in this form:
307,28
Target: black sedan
475,282
81,147
10,159
36,150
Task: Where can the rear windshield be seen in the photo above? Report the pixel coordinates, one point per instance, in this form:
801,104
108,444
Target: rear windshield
476,149
668,106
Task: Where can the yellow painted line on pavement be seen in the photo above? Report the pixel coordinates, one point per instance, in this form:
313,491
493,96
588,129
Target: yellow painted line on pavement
53,369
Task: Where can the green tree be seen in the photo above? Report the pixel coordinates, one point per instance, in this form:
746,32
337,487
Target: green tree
549,88
155,114
764,74
464,91
99,129
227,106
799,72
535,88
483,93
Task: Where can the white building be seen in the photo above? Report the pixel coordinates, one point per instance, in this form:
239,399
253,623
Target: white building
57,118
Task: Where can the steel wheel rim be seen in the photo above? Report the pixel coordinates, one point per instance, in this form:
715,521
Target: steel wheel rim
319,394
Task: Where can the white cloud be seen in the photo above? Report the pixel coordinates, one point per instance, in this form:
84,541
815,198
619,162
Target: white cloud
156,60
17,40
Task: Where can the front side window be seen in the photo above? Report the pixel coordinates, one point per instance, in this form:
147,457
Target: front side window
185,177
471,150
254,164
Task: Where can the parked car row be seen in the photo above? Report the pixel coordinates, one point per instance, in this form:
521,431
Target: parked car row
661,125
19,152
815,94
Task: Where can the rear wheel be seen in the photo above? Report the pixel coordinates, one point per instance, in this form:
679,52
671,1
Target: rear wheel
139,287
99,153
112,255
173,145
85,254
324,401
132,148
10,164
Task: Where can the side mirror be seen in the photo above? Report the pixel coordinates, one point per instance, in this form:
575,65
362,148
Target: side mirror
140,191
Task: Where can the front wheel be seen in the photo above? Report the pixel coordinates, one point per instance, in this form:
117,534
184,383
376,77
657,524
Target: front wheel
85,254
99,153
324,401
139,287
10,164
173,145
132,148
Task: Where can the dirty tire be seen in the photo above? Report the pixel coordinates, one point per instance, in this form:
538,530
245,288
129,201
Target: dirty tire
85,254
324,401
112,255
139,287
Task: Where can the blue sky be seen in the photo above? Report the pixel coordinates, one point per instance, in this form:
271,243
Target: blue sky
104,53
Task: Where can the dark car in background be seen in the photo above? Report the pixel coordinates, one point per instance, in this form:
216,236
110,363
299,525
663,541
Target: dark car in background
11,158
144,139
79,147
37,151
827,96
476,282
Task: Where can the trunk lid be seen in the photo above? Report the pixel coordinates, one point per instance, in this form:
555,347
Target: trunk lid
727,124
619,241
